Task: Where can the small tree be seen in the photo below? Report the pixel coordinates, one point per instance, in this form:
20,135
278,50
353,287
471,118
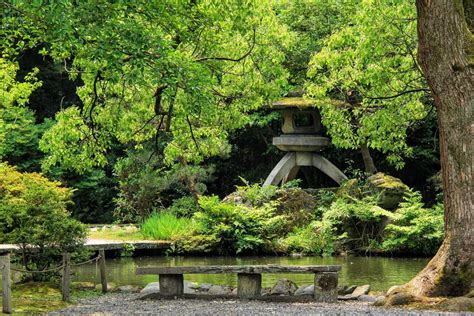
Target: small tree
33,215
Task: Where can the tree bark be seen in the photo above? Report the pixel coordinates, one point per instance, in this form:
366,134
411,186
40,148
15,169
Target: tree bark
446,55
368,161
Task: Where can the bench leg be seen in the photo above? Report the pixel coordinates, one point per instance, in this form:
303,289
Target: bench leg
249,285
325,287
171,284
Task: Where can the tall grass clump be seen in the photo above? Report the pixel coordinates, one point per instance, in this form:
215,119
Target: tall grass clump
166,226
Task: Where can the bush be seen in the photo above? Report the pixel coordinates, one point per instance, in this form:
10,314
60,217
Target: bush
415,229
255,194
238,228
166,226
146,185
316,238
33,215
184,207
357,223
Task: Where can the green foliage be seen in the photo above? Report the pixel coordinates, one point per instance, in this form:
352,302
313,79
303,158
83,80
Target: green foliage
310,22
415,229
188,72
166,226
366,81
316,238
195,244
18,133
255,194
93,196
33,215
184,207
145,184
357,222
128,250
236,228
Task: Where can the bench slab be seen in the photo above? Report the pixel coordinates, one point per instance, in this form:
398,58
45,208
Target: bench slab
247,269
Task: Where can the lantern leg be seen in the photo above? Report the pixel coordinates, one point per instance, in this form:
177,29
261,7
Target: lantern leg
328,168
281,170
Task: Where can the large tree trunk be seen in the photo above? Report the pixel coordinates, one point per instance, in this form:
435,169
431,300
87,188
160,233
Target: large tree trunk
368,161
446,55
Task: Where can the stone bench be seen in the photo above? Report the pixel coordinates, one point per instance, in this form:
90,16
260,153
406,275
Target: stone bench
249,278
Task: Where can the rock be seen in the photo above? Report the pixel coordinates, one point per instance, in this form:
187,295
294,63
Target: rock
399,299
305,290
350,187
470,294
394,290
128,289
284,287
347,297
341,290
361,290
83,285
189,287
265,291
205,286
151,288
350,289
366,298
458,304
297,205
234,291
344,290
390,190
219,290
236,198
380,300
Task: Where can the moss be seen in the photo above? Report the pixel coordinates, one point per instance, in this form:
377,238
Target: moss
293,102
390,190
455,283
36,297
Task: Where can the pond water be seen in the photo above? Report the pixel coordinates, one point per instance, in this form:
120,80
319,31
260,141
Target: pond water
380,273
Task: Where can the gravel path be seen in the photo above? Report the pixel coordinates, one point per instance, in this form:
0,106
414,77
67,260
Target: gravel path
127,304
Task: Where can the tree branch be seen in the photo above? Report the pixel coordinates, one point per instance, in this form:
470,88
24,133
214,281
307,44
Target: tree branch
398,94
233,59
192,133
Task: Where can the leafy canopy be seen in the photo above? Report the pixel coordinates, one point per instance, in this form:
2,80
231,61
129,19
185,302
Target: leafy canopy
366,80
18,133
184,71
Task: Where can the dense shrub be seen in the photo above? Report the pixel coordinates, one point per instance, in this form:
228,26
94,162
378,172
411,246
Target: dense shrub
184,207
357,223
238,228
33,215
415,229
316,238
146,185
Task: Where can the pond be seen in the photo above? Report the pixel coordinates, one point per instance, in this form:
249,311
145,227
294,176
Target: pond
381,273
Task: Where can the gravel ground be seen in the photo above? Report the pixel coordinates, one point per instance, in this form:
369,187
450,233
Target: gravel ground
127,304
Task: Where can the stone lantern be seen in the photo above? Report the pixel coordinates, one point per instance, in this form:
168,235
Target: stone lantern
302,141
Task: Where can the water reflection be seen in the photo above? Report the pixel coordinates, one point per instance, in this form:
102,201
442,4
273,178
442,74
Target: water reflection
380,273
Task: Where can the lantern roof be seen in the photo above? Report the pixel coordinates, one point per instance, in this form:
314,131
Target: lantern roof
293,103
